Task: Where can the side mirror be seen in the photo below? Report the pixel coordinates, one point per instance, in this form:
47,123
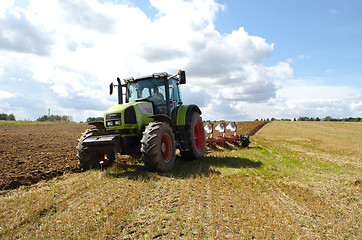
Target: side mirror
110,89
182,77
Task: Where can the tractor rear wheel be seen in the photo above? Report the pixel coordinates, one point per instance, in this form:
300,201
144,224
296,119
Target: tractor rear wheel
195,135
158,147
89,160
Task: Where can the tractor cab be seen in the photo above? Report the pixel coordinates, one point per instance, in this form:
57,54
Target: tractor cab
161,89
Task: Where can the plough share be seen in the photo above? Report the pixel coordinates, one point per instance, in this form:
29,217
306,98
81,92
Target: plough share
221,127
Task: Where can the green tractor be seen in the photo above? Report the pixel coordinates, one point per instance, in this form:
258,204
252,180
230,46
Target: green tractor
149,120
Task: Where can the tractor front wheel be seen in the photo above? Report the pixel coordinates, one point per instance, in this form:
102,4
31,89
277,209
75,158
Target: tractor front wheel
158,147
89,160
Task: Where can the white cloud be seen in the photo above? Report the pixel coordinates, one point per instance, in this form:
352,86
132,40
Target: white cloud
300,98
5,94
356,105
19,34
88,15
219,109
357,108
306,90
330,70
301,56
5,5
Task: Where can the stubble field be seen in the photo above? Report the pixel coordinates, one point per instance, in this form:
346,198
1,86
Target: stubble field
298,180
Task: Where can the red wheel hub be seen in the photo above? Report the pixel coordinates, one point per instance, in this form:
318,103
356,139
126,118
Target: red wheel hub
104,159
199,140
166,147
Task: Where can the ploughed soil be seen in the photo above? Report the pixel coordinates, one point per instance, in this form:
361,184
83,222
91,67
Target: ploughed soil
31,153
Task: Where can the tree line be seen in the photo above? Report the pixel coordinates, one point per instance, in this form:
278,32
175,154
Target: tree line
53,118
7,117
325,119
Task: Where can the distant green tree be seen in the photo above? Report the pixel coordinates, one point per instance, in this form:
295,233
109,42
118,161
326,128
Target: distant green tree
11,117
3,116
53,118
328,118
7,117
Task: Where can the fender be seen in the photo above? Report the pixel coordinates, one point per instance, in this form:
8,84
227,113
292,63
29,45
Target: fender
164,118
183,119
184,113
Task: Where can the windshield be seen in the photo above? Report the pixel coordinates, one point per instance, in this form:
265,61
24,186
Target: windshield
145,89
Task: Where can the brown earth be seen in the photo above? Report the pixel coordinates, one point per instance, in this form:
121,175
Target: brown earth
31,153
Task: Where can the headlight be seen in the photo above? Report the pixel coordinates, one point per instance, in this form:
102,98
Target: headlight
109,123
117,123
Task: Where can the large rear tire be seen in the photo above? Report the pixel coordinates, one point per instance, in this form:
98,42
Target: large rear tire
89,160
195,135
158,147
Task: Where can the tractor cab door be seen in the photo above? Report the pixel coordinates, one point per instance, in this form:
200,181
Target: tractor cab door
158,97
175,96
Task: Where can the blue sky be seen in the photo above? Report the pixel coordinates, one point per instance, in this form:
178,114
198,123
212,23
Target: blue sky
322,37
243,59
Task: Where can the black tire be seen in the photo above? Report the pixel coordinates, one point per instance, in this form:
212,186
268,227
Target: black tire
92,161
245,141
158,147
195,136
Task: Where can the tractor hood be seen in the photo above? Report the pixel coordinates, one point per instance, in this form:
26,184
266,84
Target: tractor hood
134,115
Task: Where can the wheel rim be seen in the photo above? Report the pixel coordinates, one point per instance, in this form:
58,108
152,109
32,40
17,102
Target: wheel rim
166,148
199,140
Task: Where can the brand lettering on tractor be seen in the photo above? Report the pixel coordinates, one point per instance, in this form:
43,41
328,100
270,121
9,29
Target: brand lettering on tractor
146,108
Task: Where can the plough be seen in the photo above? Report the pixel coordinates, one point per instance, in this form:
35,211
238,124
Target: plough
221,127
